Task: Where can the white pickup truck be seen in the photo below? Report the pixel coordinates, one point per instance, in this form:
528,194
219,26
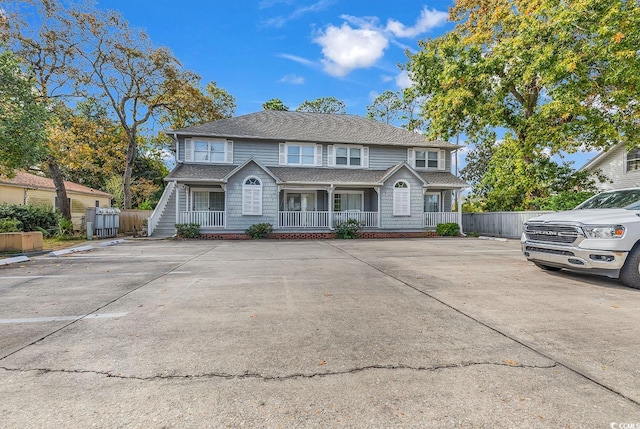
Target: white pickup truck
600,236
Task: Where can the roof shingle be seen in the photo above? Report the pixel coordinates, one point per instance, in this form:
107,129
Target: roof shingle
311,127
27,180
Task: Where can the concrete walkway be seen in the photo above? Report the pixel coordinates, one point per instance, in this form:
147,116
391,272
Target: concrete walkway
361,333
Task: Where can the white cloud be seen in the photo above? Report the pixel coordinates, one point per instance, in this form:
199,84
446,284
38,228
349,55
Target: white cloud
361,41
428,20
297,59
297,12
403,80
345,48
293,79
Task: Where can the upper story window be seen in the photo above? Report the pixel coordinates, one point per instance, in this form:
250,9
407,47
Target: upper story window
301,154
348,156
633,160
205,150
426,158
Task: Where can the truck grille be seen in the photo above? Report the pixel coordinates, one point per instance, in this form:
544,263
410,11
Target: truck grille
545,233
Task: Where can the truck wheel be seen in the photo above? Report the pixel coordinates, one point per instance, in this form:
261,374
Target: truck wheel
547,267
630,272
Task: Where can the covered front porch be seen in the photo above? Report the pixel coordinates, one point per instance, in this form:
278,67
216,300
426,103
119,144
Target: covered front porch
323,208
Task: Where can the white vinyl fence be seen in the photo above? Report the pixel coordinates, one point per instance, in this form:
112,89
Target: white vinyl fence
497,224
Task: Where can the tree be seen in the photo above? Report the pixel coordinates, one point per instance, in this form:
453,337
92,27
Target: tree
275,104
323,105
556,76
386,107
48,49
22,118
397,108
137,80
189,105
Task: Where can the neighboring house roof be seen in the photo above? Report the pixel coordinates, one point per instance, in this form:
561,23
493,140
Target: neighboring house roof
591,164
31,181
336,176
311,127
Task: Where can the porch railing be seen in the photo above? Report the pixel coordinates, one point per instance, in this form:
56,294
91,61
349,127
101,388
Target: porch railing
300,219
205,218
370,219
432,219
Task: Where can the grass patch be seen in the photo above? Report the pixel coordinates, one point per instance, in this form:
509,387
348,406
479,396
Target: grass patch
58,244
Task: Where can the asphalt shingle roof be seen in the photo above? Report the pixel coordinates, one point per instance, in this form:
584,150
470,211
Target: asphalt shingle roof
213,173
27,180
311,127
217,173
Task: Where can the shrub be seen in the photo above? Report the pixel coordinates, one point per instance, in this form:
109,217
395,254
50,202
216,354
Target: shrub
10,225
188,230
65,228
450,229
349,229
259,230
32,218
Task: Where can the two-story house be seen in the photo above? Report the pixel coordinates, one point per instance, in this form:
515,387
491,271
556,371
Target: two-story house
305,172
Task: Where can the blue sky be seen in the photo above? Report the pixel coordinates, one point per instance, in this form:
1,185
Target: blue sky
294,50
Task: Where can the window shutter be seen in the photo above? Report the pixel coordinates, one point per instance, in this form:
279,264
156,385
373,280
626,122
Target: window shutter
441,160
365,157
331,159
283,154
401,202
188,147
228,154
318,155
252,200
411,157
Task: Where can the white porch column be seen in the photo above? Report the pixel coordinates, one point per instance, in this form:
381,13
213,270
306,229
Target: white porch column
178,189
459,210
330,202
377,189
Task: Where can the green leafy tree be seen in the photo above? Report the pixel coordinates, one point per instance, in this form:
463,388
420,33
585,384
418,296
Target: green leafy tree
323,105
22,117
386,107
555,76
275,104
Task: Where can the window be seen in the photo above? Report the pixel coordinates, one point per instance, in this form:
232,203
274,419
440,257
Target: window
252,196
348,156
347,201
208,201
633,160
421,158
301,155
300,201
210,151
401,199
432,202
97,203
180,149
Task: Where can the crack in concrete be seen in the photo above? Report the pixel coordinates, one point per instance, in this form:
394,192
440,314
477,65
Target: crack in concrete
253,375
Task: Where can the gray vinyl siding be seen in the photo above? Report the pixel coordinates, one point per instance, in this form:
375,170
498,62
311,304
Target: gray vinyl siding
235,219
447,201
265,153
182,200
414,221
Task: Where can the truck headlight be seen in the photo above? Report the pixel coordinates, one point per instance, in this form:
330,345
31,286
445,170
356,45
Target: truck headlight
603,231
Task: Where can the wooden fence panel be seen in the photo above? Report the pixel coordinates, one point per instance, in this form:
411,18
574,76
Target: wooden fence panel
131,218
498,224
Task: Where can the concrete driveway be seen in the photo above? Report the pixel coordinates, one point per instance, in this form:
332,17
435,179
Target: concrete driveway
362,333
